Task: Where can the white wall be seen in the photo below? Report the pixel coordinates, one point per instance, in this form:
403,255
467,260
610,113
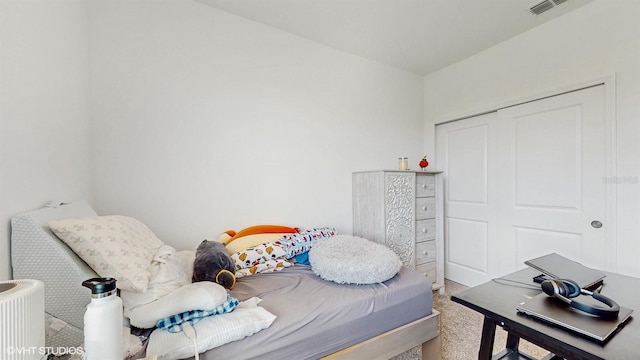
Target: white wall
205,121
44,127
599,39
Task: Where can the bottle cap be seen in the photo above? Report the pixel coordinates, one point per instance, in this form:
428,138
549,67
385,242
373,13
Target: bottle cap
100,287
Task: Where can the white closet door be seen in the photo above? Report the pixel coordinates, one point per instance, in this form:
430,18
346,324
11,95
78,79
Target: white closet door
526,181
553,198
466,152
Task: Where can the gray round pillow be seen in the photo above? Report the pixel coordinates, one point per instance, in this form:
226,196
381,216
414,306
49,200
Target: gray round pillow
348,259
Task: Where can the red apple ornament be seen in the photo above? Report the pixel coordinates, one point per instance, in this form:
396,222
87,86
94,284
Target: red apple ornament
423,163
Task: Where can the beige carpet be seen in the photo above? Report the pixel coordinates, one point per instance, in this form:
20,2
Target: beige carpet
462,327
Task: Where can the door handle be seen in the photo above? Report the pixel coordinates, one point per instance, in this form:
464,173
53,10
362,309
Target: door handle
596,224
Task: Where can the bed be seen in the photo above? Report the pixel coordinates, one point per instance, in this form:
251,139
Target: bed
314,318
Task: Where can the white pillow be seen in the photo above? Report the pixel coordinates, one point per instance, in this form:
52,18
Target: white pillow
168,274
212,331
188,258
114,246
353,260
203,295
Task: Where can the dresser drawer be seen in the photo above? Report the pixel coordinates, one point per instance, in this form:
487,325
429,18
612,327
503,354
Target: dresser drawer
428,270
425,252
425,229
425,185
425,208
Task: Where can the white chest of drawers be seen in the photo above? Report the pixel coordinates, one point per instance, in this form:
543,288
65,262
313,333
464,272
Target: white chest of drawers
403,210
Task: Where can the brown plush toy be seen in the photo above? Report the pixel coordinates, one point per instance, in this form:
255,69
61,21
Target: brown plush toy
214,264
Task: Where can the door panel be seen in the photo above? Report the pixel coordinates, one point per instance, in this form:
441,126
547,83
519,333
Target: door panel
465,149
468,164
546,155
554,158
536,241
526,181
470,255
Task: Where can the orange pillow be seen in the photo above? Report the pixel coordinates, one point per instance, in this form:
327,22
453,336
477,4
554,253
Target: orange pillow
252,240
262,229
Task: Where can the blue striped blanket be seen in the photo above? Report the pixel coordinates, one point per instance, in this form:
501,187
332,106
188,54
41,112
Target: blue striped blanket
174,323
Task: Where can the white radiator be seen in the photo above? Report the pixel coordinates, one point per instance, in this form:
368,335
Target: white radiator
21,319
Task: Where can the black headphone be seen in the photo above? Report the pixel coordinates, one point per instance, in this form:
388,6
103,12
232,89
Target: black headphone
565,289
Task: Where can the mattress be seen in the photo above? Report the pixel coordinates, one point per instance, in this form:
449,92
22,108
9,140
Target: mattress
316,318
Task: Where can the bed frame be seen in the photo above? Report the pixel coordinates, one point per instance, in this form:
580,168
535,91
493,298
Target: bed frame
424,333
36,253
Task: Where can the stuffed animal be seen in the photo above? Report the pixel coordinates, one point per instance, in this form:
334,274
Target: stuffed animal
213,263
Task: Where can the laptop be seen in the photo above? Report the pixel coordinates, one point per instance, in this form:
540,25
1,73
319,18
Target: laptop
554,311
559,267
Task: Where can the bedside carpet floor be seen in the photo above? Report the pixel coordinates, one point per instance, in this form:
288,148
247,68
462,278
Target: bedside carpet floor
461,329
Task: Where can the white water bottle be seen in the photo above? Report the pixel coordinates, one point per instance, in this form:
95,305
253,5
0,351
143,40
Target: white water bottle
103,321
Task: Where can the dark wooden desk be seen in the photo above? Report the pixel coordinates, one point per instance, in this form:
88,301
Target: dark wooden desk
497,301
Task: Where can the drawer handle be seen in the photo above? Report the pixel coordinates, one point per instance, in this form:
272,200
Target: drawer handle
424,230
425,252
424,208
424,186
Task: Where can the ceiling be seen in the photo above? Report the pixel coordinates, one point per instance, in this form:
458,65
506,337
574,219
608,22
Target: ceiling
420,36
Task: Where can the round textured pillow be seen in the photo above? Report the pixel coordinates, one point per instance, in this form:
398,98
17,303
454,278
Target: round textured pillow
348,259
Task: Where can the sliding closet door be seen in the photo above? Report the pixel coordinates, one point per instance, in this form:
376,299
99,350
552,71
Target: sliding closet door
466,152
526,181
553,164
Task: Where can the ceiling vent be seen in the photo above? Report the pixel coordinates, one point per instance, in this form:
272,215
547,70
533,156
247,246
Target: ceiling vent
544,6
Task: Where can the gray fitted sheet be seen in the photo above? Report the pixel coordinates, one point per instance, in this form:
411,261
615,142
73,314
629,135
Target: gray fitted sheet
316,317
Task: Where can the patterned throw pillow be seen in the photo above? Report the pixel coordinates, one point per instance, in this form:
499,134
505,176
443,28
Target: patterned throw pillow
302,241
261,258
264,267
258,254
113,246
